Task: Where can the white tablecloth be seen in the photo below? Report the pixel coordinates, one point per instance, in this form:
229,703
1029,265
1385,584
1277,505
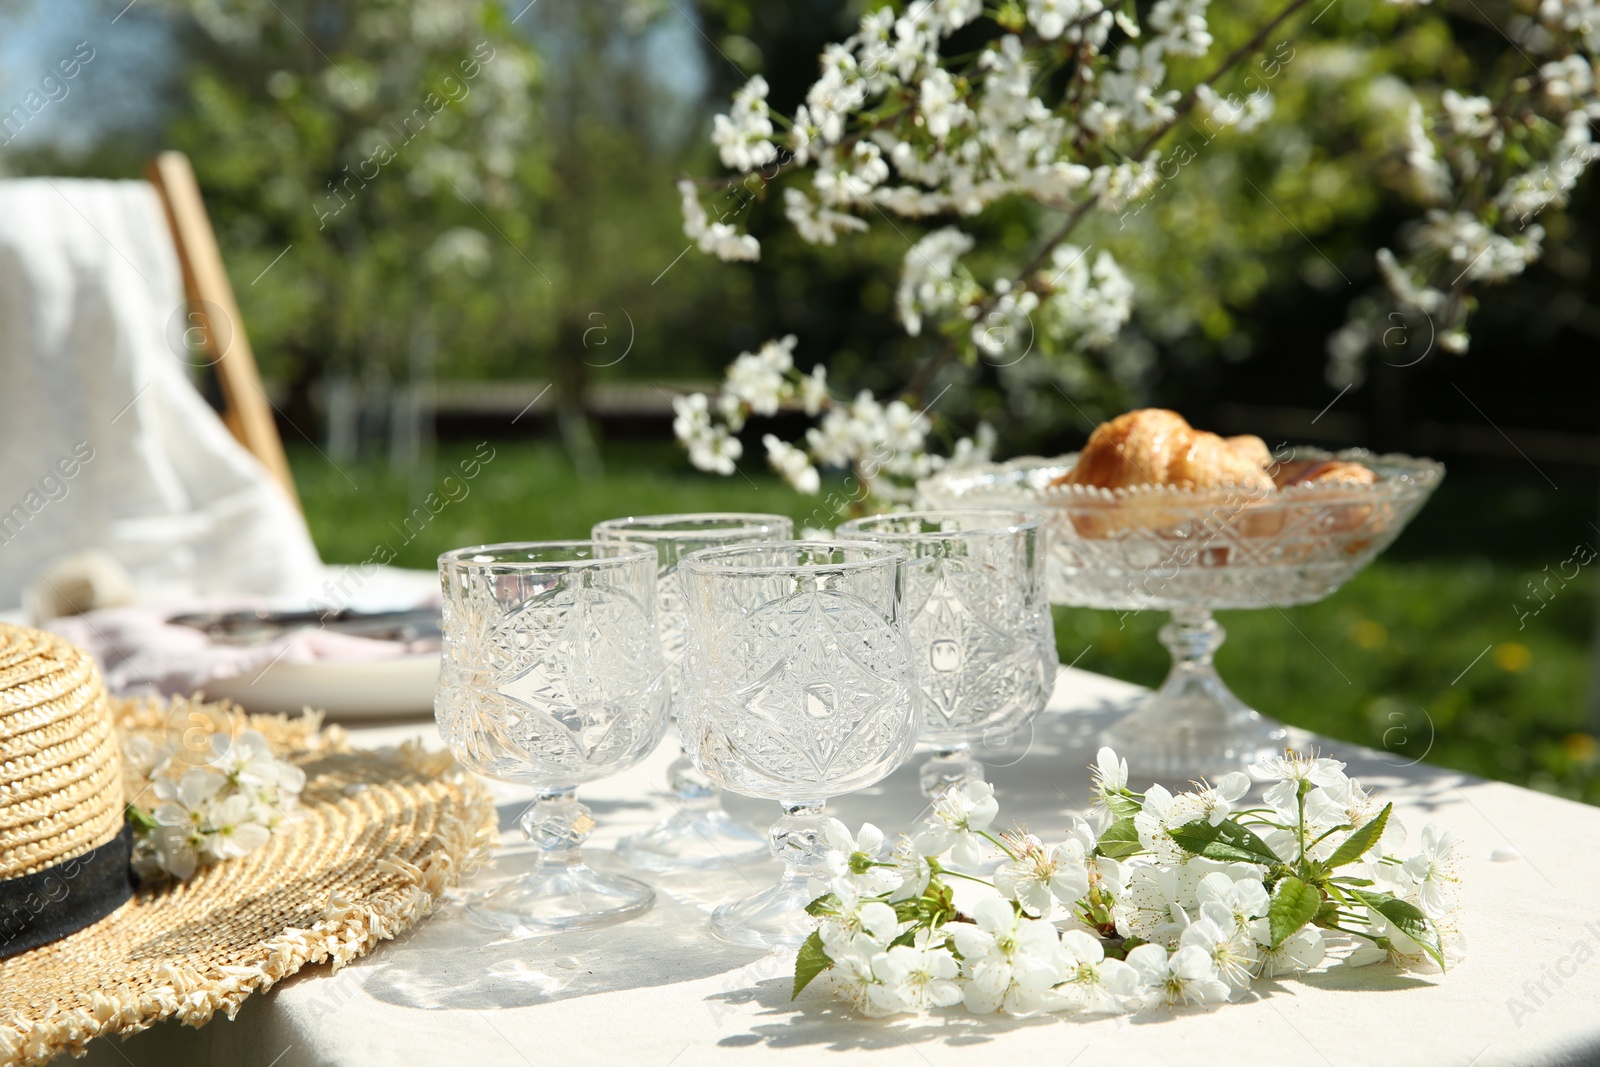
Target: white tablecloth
662,991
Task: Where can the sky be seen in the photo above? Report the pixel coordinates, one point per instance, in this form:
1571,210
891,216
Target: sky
113,89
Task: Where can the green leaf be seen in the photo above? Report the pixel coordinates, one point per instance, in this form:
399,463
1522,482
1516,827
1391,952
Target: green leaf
1293,905
1361,839
812,961
1120,839
1123,806
141,819
1227,841
1405,917
909,910
826,904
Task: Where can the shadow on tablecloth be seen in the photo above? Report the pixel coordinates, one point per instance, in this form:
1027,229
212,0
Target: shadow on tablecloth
1041,779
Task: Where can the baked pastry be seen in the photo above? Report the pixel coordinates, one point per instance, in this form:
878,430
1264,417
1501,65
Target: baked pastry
1322,472
1158,447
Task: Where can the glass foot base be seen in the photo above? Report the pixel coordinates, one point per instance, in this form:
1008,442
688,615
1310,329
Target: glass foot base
1193,726
946,769
552,898
773,918
702,837
1189,738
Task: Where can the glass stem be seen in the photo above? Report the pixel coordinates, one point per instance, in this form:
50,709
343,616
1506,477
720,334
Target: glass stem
558,824
797,840
950,766
694,791
1193,637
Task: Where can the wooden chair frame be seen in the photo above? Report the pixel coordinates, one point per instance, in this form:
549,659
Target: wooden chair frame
247,412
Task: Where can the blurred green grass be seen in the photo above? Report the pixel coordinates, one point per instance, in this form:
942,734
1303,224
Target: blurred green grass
1422,654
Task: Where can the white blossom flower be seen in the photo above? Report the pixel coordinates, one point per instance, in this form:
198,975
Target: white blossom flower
941,106
227,807
1243,899
1289,771
1089,981
813,389
914,978
1181,27
912,870
862,923
1010,961
1433,871
1088,303
716,451
1300,951
1186,976
1232,950
1477,251
1109,773
927,277
691,417
817,225
1149,906
1470,116
960,817
750,381
852,979
793,464
1051,17
719,238
743,137
1214,803
186,796
248,759
1042,874
233,828
1156,819
1430,175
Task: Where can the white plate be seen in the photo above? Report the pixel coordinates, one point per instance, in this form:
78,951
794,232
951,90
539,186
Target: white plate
364,689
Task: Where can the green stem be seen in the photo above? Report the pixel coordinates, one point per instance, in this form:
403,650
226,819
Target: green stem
1300,832
999,843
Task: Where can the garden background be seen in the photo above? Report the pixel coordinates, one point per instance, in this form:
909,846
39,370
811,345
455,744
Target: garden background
507,275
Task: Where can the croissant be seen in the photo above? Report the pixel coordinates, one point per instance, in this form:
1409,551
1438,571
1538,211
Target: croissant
1158,447
1322,472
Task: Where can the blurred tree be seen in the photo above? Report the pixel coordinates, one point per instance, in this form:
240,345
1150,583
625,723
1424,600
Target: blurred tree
343,145
408,189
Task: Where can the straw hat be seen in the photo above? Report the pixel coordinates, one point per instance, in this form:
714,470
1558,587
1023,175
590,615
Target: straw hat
379,838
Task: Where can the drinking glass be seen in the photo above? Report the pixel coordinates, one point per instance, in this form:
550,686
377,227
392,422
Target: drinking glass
552,676
797,686
982,637
699,832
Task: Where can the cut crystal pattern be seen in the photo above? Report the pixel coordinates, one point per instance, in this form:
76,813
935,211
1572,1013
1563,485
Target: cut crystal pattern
569,681
806,694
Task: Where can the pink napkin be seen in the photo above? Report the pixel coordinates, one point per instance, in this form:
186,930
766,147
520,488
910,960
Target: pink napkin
139,652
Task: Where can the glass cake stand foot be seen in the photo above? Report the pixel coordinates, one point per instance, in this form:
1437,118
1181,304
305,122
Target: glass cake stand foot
1193,726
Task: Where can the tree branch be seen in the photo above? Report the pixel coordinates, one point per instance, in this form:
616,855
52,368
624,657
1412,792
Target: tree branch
925,373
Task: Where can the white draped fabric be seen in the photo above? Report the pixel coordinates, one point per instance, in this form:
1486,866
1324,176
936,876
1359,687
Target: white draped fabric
104,441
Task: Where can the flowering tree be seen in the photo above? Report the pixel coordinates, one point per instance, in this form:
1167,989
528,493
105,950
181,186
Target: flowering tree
945,112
